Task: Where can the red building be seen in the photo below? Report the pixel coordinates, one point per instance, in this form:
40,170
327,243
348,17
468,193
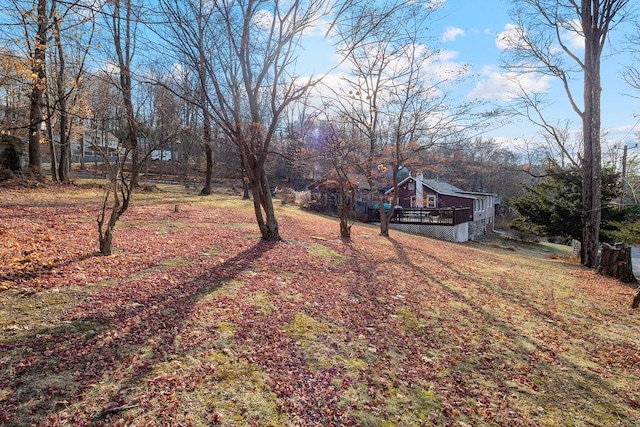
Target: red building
417,192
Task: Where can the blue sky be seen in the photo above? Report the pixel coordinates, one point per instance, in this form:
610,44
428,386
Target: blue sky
467,31
471,28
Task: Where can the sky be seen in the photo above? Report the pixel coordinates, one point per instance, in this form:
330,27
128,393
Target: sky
474,29
469,32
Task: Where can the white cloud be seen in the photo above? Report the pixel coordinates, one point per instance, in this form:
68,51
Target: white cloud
110,68
573,35
513,36
451,34
319,27
510,38
180,71
506,86
444,66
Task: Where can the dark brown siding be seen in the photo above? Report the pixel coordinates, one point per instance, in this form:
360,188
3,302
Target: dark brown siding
456,202
405,194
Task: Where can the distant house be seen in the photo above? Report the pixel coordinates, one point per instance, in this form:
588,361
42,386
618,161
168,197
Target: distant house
417,192
325,194
95,143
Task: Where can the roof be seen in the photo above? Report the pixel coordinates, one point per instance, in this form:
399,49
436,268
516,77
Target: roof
445,188
330,181
442,187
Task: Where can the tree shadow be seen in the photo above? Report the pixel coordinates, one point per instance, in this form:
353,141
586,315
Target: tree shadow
575,377
58,364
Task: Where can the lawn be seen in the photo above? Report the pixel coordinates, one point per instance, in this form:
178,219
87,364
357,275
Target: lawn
196,321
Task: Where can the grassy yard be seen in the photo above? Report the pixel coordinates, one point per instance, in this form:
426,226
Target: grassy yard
196,321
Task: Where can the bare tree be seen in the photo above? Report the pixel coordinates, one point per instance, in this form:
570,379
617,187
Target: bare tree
35,23
121,24
393,96
189,34
631,73
245,51
541,46
340,147
73,26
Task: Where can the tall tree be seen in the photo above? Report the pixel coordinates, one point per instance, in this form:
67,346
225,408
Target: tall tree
392,96
73,26
340,147
245,51
631,73
189,35
122,25
121,22
541,46
37,46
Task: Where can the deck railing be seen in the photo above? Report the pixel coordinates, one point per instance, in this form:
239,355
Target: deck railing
443,216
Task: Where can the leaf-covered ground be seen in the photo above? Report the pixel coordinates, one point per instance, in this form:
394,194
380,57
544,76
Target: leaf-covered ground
196,321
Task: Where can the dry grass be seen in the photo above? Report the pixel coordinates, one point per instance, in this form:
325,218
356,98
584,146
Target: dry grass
194,321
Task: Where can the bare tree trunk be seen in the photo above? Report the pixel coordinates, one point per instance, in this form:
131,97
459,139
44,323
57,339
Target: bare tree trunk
106,240
245,179
38,62
384,222
208,146
245,186
105,231
123,38
206,124
64,165
35,159
82,167
121,193
263,207
209,172
591,168
345,210
52,150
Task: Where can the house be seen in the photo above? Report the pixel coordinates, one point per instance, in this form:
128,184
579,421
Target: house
94,144
325,194
417,192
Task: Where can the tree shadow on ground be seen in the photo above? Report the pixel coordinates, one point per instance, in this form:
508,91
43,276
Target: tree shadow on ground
534,355
42,373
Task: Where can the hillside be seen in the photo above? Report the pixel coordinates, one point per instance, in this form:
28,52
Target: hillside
196,321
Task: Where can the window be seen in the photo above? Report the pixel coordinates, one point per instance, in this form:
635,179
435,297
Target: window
411,186
431,201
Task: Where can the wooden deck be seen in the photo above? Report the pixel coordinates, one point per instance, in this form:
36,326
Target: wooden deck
444,216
